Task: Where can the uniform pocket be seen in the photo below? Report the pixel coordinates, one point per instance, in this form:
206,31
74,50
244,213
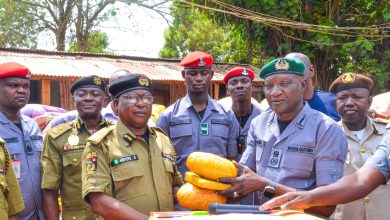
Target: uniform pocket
128,180
72,158
168,166
220,130
180,130
298,165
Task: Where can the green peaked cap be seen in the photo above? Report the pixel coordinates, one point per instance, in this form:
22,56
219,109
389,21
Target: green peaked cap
282,66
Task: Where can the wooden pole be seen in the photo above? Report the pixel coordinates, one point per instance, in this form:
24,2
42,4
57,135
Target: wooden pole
45,92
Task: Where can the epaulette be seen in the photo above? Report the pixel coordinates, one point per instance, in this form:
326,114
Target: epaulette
110,122
381,120
97,137
60,129
160,130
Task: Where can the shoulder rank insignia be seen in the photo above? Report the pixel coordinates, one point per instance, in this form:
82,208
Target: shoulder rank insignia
91,162
128,138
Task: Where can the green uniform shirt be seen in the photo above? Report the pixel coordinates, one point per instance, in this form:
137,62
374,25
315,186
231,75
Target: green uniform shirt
61,158
11,201
117,163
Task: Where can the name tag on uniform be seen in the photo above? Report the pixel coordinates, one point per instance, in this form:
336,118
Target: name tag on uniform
11,140
204,129
168,156
276,156
36,137
121,160
259,143
17,168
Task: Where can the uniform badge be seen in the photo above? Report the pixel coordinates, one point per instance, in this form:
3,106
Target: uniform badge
97,81
276,155
91,162
73,139
348,78
143,81
244,72
204,129
201,62
28,75
282,65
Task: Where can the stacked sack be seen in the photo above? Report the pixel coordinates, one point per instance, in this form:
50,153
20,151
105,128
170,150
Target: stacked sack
200,189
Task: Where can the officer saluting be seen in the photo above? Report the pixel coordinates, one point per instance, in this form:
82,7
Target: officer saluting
9,189
197,122
63,148
129,169
22,136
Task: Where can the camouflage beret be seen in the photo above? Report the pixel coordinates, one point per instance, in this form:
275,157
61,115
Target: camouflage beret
282,66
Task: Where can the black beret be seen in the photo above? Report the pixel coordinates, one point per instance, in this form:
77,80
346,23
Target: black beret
88,81
129,83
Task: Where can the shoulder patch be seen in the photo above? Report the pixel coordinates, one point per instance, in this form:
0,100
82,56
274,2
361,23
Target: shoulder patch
97,137
60,129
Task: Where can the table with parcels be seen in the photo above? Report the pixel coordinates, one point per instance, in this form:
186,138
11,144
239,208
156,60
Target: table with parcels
188,215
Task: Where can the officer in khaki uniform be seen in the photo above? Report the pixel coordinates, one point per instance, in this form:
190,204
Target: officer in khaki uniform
129,169
63,148
11,201
363,134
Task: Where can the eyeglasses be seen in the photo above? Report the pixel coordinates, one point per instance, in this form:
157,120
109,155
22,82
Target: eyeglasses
133,99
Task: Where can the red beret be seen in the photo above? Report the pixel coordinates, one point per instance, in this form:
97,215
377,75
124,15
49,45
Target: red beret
197,59
14,70
238,71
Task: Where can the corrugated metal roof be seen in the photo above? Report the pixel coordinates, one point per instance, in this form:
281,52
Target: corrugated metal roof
63,64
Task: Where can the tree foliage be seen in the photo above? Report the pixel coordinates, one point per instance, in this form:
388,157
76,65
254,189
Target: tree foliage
249,41
97,43
19,27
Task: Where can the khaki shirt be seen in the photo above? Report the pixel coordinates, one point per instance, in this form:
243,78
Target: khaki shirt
376,205
117,163
11,201
61,158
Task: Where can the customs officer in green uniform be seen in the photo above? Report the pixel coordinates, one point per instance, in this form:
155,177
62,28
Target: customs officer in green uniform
63,148
129,169
11,201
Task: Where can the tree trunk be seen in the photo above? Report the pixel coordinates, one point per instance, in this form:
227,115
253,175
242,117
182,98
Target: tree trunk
60,38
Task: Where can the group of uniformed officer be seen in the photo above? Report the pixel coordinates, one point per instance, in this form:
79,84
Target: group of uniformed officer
127,169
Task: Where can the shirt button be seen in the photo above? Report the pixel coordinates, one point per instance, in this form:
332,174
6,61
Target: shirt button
366,199
74,160
362,150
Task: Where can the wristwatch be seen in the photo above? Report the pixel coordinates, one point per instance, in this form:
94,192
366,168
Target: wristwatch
269,191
